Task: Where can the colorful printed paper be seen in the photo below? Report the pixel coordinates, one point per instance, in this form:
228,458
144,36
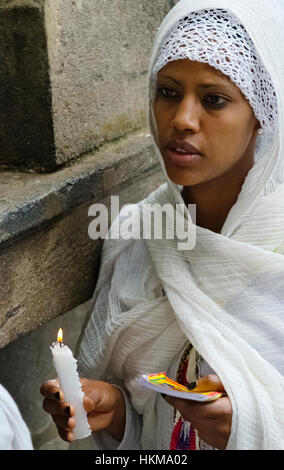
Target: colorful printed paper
161,383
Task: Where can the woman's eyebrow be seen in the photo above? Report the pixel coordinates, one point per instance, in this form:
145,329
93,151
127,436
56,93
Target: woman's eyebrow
202,85
170,78
215,85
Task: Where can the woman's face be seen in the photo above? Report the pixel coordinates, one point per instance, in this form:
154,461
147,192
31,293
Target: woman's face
206,128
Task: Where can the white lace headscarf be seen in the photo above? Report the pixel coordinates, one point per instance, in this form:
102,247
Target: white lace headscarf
216,37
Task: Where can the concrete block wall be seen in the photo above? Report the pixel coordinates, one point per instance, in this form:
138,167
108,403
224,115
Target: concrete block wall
73,132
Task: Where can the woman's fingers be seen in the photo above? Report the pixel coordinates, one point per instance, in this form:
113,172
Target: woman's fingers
63,422
67,436
88,403
62,416
58,408
192,411
212,420
51,390
208,383
103,402
98,420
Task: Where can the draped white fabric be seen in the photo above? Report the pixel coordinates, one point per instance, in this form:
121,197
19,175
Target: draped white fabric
14,433
226,296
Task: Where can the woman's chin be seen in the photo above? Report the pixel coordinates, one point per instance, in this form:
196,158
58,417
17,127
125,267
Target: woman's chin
181,180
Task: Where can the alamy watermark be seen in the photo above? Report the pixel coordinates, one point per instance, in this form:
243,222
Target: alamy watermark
149,221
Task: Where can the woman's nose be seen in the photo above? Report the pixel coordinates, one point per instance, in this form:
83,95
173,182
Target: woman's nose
186,116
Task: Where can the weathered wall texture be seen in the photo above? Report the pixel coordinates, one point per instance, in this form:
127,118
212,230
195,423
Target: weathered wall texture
113,42
52,266
71,63
73,78
26,127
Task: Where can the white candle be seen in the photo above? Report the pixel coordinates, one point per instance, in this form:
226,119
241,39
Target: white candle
66,368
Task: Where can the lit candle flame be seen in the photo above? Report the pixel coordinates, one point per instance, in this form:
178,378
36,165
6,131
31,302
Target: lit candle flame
60,336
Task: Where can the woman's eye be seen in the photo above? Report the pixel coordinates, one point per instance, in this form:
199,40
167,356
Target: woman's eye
166,92
216,101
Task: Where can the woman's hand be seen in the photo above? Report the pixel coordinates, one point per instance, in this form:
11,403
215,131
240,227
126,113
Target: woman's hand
213,419
103,402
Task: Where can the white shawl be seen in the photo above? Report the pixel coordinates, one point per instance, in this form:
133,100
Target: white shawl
226,296
14,433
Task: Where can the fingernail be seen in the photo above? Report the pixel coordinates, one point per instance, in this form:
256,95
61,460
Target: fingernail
191,386
57,396
67,410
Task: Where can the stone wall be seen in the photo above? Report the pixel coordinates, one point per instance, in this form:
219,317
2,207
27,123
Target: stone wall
71,63
73,132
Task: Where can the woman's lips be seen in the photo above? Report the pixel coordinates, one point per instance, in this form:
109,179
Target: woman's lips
182,155
179,158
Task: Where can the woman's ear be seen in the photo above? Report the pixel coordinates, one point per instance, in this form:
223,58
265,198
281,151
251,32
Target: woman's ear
258,129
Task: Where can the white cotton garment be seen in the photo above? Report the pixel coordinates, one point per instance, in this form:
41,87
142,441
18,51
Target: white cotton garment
14,433
225,296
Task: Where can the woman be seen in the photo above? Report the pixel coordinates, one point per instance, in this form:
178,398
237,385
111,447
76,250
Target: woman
213,314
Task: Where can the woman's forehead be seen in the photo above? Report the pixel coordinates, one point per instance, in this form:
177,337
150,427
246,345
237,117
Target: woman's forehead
185,68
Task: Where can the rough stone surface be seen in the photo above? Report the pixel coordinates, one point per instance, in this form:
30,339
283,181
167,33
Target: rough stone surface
46,274
29,200
89,56
69,80
26,126
51,271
